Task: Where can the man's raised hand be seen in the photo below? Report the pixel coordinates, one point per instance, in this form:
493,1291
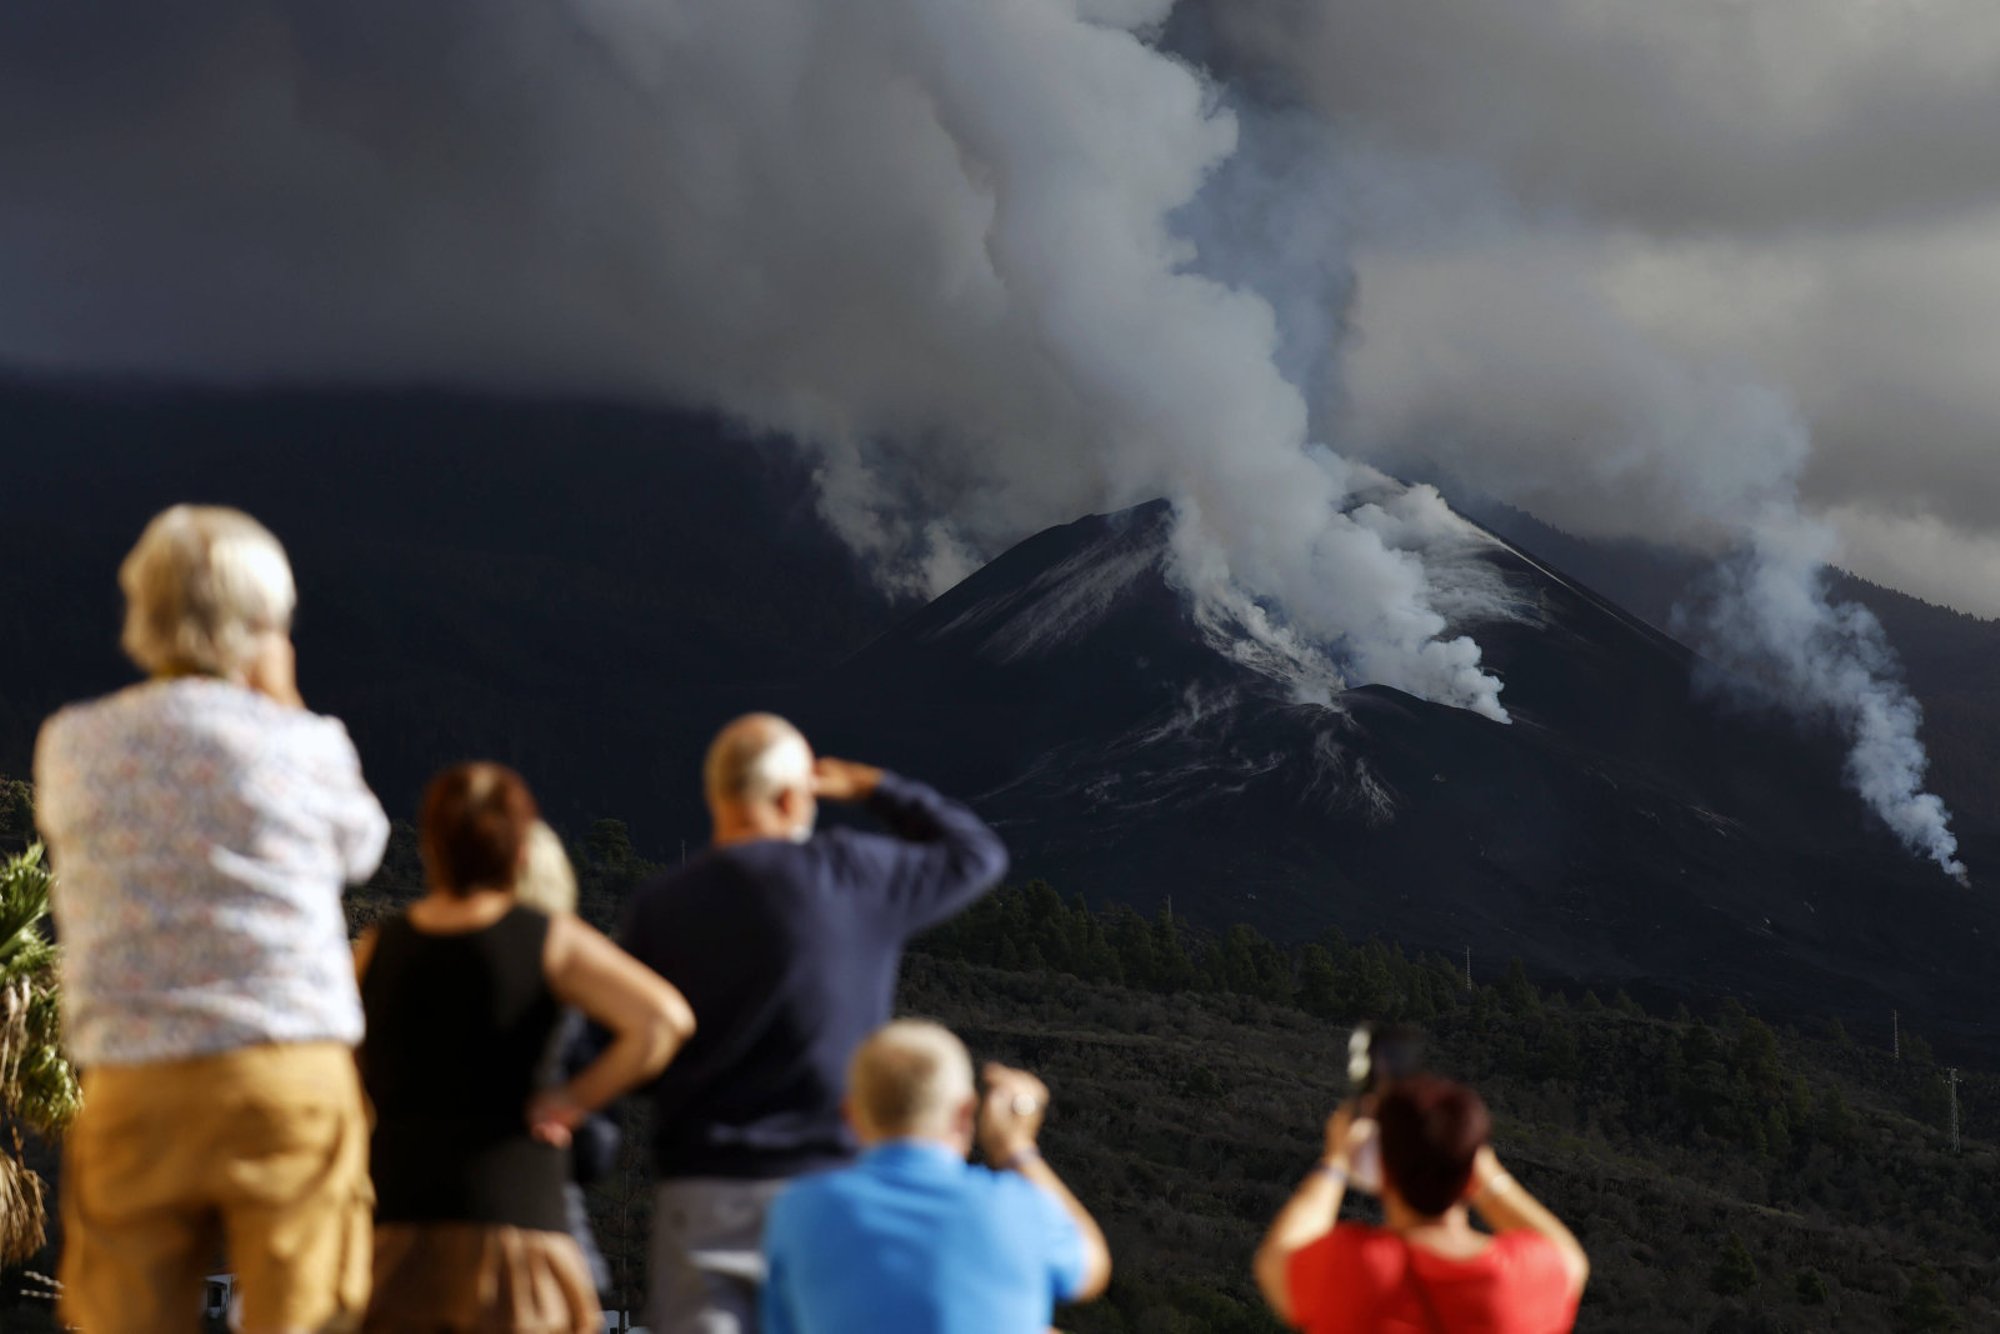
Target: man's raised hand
844,780
1010,1115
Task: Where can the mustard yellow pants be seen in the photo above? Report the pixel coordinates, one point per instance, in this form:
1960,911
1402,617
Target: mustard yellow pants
261,1153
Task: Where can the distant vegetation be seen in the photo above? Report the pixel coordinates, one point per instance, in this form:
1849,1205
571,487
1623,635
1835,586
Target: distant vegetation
1727,1175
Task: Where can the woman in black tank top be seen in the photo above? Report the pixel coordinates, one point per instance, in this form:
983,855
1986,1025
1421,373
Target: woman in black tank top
463,994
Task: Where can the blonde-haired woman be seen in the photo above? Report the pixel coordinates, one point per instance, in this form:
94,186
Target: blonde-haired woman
547,883
202,824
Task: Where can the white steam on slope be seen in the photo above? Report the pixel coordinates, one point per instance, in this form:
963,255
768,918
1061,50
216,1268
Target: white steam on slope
930,239
1775,625
1533,357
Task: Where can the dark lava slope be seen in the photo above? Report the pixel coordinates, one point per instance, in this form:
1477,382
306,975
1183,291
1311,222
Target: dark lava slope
1625,829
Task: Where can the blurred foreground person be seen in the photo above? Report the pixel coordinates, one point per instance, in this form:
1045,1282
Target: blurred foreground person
914,1240
548,884
464,993
787,944
202,825
1428,1269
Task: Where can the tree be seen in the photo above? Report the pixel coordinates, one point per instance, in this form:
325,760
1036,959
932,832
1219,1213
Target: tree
1517,993
1926,1308
38,1089
1735,1272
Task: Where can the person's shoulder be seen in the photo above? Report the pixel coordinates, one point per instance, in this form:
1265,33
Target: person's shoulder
1356,1246
82,714
1529,1255
106,721
810,1200
1010,1193
845,851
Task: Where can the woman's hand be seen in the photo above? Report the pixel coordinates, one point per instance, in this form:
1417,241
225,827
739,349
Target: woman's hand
552,1116
1345,1134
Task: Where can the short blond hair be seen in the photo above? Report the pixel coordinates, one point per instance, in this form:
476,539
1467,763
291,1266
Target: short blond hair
756,758
910,1077
201,587
547,879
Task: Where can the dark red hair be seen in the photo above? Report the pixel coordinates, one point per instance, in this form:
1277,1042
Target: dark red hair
475,822
1431,1129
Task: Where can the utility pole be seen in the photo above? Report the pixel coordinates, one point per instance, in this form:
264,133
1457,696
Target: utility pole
1468,967
1896,1035
1951,1082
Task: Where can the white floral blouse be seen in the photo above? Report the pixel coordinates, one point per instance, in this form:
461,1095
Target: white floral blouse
201,835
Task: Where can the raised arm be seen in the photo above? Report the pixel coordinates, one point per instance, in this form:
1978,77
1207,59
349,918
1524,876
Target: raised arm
360,827
1507,1206
648,1020
1309,1215
943,856
1010,1122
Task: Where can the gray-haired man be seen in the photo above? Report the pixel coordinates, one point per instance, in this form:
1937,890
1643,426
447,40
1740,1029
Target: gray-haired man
787,944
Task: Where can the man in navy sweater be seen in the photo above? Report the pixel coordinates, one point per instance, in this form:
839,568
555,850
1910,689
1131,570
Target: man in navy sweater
787,945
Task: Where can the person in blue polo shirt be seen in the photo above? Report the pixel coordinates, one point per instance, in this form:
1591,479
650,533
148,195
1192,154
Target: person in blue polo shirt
913,1239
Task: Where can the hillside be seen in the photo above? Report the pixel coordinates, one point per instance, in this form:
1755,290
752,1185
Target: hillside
586,591
1626,830
1947,656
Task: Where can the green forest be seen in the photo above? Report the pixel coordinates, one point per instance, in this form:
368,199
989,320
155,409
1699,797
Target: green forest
1726,1173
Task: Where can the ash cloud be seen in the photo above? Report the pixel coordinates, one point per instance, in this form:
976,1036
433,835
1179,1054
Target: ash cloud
935,242
1563,227
999,264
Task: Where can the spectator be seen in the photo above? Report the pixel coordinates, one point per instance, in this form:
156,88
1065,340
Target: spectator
1427,1269
787,944
912,1239
203,824
464,992
548,884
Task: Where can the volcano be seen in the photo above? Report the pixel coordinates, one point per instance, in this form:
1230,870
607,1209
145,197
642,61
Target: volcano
587,592
1627,829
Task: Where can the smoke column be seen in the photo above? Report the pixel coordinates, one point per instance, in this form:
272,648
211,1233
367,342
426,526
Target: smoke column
997,264
932,241
1524,363
1772,623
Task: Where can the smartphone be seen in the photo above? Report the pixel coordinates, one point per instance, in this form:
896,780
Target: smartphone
1376,1056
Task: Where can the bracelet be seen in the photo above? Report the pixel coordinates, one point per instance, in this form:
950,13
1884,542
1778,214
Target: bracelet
1334,1170
1019,1156
1493,1183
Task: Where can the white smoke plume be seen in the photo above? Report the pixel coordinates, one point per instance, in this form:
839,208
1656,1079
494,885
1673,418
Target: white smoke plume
998,263
1773,624
1531,356
935,241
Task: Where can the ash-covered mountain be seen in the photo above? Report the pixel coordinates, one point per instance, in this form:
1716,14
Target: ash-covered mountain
586,592
1625,829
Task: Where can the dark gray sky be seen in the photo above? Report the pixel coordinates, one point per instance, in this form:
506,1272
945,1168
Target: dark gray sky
1643,267
1574,212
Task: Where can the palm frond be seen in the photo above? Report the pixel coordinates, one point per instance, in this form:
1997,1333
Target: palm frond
23,1212
38,1086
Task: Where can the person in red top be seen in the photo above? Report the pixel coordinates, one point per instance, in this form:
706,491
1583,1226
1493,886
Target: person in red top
1428,1271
